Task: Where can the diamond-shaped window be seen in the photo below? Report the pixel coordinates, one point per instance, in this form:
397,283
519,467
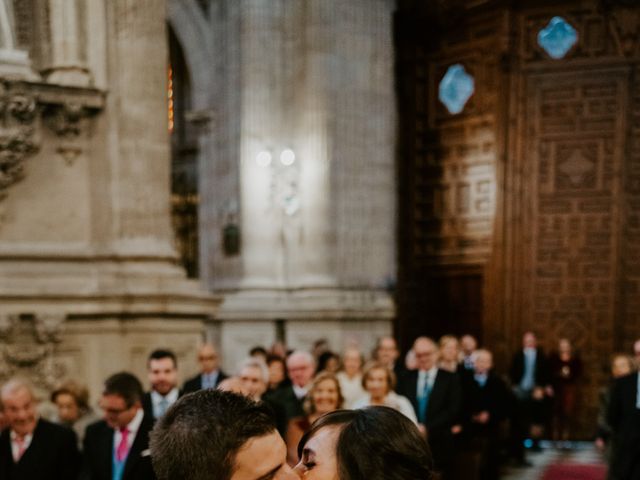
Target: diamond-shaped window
456,87
557,37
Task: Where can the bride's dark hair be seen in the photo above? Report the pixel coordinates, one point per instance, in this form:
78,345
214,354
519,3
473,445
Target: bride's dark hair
375,443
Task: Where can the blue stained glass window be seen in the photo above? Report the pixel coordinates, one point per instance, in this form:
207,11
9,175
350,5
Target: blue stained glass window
456,87
557,37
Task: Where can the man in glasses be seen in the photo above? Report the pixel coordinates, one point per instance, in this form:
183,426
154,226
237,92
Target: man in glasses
117,448
210,374
222,435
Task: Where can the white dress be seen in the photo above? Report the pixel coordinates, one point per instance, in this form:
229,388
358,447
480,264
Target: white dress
392,400
351,389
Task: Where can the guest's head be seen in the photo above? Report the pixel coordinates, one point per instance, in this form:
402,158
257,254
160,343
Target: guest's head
529,340
258,352
483,361
564,346
277,371
387,351
468,344
121,399
352,361
300,366
378,380
375,443
72,401
254,375
449,349
19,404
207,358
621,365
328,361
213,434
324,395
162,368
426,353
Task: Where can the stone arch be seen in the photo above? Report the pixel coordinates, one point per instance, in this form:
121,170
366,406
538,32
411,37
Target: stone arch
193,33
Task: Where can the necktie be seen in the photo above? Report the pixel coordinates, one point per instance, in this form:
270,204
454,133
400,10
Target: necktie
423,401
21,448
162,406
123,447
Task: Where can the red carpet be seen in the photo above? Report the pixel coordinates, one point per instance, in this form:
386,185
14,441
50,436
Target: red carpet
571,471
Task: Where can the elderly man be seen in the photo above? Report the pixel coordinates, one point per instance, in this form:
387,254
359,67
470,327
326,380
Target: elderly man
287,401
30,447
162,368
210,374
435,396
254,378
222,435
117,448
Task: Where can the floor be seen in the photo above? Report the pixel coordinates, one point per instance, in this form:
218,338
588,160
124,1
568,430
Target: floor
579,452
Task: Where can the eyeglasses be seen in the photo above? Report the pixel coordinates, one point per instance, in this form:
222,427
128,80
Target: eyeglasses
209,357
114,411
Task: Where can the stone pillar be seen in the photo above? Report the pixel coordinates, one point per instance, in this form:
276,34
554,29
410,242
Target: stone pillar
65,20
140,156
13,62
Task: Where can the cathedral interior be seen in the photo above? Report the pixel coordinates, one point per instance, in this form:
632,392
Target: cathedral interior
255,171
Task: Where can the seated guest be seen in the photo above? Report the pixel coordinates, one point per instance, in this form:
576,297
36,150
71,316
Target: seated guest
253,375
117,448
73,411
210,374
485,405
375,443
350,377
287,401
324,396
32,448
379,383
162,367
213,434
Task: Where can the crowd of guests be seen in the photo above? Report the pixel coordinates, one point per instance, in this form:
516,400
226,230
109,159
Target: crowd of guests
472,418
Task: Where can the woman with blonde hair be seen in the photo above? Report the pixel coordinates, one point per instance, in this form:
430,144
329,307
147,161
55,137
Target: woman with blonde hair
379,381
323,397
73,410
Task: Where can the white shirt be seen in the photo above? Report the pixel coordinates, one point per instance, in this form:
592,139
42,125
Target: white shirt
351,388
15,447
428,376
156,398
300,392
132,426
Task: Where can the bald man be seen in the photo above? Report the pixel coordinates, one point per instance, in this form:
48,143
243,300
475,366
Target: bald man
435,396
210,374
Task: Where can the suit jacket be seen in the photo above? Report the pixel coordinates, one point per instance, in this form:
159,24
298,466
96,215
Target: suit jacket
493,397
541,370
624,419
98,453
52,455
285,405
195,383
442,411
147,404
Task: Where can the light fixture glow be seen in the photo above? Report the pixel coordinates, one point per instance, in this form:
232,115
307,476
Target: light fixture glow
287,157
263,158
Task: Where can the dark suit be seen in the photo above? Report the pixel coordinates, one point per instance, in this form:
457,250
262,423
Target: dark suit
624,418
483,439
285,406
541,369
442,412
52,455
195,383
98,453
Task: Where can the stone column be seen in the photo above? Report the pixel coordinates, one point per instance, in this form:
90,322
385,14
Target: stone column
140,153
67,68
13,62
